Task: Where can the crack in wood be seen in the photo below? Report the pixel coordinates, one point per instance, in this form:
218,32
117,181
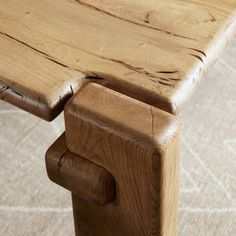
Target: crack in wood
167,72
93,78
134,68
4,88
72,91
152,119
130,21
197,50
18,94
165,79
147,17
59,165
198,57
177,108
61,64
13,92
47,56
131,67
170,85
25,44
169,78
174,79
142,71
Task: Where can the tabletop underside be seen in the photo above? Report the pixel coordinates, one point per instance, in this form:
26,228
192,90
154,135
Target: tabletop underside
155,51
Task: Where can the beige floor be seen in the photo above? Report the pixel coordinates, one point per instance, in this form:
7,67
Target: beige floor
31,205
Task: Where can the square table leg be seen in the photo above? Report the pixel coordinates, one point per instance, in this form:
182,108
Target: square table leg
138,145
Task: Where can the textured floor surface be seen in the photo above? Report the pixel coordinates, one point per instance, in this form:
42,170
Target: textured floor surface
31,205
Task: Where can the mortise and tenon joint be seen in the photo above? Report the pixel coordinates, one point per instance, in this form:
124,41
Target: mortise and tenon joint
119,158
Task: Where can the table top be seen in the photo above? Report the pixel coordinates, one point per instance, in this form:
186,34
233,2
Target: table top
155,51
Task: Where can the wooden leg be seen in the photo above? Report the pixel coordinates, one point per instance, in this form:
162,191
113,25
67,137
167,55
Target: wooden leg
138,145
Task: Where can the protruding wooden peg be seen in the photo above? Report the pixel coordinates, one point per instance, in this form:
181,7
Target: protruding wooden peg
83,178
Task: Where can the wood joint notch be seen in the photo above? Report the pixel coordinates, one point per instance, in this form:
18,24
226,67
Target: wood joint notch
83,178
138,145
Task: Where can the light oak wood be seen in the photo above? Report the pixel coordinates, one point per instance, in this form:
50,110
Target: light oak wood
138,145
155,51
25,76
89,182
152,51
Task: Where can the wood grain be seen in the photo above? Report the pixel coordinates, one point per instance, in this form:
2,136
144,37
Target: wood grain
89,182
155,51
138,145
26,75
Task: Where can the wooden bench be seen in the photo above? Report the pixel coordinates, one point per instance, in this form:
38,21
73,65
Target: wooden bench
129,67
